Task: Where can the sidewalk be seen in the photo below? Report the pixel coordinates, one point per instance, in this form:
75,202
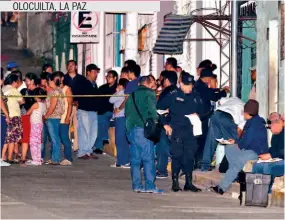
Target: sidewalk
205,179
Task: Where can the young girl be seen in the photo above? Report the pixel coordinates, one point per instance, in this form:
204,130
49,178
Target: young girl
37,112
122,145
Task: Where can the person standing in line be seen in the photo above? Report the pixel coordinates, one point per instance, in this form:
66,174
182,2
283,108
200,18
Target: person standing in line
55,110
4,118
36,113
129,63
74,81
181,103
141,149
105,111
30,81
64,122
124,73
207,95
252,94
169,83
45,135
87,114
134,78
47,68
14,128
122,145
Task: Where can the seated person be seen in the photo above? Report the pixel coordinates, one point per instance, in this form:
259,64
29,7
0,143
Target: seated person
252,143
226,123
275,169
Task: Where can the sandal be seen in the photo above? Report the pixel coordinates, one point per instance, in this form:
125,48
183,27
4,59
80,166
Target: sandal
48,162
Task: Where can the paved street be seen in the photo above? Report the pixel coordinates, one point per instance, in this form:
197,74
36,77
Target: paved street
91,189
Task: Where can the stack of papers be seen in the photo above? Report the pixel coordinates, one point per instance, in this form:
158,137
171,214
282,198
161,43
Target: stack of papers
162,112
272,160
223,141
197,124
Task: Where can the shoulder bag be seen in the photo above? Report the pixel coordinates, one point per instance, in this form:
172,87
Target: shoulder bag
152,128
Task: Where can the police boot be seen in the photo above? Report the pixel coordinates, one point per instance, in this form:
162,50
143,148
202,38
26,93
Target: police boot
175,182
188,184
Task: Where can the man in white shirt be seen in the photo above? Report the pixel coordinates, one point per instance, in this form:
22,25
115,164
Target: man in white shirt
227,122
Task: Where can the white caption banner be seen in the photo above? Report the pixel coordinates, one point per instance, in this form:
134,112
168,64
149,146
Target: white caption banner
107,6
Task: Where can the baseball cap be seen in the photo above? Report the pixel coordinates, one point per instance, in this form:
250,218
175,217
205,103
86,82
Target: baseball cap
207,73
187,79
252,68
12,65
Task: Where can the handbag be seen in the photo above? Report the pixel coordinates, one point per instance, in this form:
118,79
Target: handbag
152,128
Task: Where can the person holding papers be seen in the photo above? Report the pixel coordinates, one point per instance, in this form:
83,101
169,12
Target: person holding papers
185,107
252,143
273,162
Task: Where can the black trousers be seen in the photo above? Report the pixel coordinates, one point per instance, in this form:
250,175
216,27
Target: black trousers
182,151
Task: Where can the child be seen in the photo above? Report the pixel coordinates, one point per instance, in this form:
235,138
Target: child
120,127
37,112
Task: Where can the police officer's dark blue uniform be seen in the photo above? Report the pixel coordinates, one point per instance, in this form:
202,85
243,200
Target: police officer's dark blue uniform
169,81
183,142
207,95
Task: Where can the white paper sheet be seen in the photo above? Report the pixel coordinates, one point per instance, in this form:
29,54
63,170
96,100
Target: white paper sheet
272,160
162,112
223,141
197,124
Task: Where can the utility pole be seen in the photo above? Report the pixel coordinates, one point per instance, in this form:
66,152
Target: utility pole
131,50
234,41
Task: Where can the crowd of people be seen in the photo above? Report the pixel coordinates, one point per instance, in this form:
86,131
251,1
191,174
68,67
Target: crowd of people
70,110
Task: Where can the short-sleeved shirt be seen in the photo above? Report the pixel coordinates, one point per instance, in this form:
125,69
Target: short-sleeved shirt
13,102
5,100
132,86
59,108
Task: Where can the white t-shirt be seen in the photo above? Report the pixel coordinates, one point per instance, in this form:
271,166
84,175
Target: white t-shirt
233,106
37,114
23,86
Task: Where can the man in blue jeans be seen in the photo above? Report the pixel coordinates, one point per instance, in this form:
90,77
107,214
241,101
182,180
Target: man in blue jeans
168,82
252,143
141,149
105,111
275,169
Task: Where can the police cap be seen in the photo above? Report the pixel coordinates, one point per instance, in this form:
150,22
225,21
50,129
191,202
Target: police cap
187,79
207,73
171,76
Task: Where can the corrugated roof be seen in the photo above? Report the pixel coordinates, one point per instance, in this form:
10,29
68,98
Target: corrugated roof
171,37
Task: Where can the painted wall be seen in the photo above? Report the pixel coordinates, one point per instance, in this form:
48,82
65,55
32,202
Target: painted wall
246,58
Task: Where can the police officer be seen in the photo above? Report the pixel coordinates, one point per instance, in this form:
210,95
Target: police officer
168,82
183,142
207,95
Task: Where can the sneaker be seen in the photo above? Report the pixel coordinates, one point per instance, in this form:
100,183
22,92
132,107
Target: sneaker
161,176
217,189
126,166
115,165
139,191
156,191
33,163
4,164
65,163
